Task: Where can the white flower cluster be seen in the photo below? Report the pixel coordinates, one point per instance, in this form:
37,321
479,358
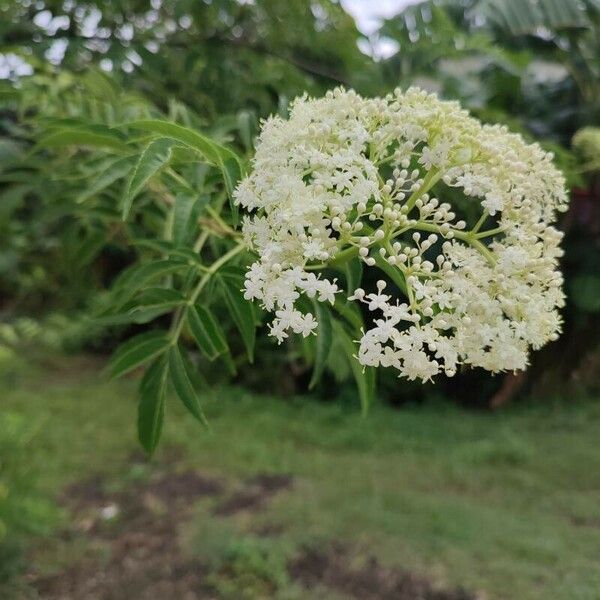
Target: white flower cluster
352,178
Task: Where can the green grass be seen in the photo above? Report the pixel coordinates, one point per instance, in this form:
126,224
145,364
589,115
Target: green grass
508,503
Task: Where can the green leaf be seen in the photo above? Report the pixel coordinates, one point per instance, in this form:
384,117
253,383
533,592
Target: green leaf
364,376
186,211
354,272
135,278
182,382
114,172
91,246
585,292
392,272
324,339
137,351
206,331
152,159
225,159
240,310
84,136
158,298
163,247
350,312
151,407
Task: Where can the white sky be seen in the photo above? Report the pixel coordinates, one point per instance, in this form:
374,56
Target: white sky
369,13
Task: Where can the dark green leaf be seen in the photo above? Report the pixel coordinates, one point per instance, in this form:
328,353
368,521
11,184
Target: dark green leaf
350,312
392,272
137,351
241,312
157,298
364,376
186,211
151,407
107,177
354,272
206,331
220,156
153,158
81,136
323,346
137,277
182,382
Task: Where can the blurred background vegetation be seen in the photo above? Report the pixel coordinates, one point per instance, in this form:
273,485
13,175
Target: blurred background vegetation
219,66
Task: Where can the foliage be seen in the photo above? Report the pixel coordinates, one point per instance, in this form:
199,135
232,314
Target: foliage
103,74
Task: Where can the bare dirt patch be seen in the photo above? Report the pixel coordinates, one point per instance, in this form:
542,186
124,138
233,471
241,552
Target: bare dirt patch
130,546
140,529
254,495
334,567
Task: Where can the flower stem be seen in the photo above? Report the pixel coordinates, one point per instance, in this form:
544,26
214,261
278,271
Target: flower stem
432,177
461,235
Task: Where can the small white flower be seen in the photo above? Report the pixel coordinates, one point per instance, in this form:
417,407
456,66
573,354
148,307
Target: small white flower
317,189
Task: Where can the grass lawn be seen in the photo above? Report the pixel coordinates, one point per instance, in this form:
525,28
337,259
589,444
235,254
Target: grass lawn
506,506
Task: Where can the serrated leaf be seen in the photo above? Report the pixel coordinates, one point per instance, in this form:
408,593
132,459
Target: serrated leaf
186,212
151,406
114,172
323,345
83,136
207,332
137,351
241,312
220,156
152,159
138,276
364,376
182,382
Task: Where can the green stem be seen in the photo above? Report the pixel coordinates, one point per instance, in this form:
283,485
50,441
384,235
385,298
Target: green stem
461,235
214,267
489,232
479,223
432,177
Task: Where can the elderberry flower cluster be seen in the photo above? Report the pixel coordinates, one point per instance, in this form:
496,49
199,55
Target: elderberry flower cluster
352,178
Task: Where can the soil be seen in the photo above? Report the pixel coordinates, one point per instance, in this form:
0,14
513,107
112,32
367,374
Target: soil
135,533
254,495
140,527
335,567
